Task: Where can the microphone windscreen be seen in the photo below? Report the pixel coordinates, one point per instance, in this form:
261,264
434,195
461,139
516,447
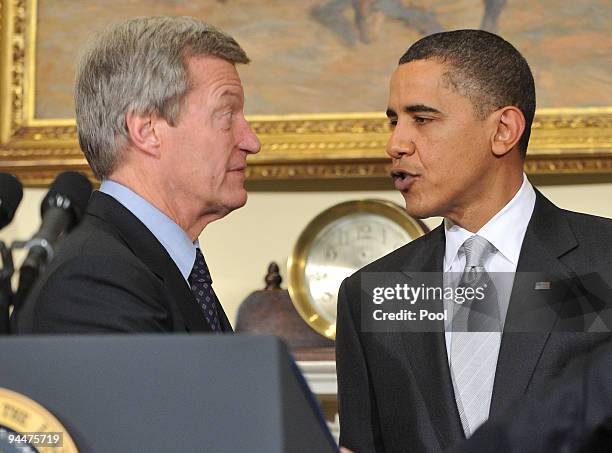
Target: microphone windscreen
11,193
71,185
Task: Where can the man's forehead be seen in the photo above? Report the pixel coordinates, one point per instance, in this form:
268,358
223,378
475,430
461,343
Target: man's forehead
420,82
209,67
420,72
215,76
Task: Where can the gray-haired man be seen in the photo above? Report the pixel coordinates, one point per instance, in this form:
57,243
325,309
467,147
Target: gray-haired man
160,118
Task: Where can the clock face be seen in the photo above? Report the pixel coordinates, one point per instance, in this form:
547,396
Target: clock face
343,247
335,244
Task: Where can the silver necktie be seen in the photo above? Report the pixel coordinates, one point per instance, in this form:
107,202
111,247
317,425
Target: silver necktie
475,338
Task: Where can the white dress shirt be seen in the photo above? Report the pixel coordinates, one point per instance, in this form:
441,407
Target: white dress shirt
505,231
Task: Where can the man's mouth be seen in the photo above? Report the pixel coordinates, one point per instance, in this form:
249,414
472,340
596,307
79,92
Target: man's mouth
402,179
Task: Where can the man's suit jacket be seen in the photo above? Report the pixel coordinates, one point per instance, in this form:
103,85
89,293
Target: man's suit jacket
574,414
112,275
395,389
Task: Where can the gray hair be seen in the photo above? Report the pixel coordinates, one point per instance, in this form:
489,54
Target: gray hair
139,65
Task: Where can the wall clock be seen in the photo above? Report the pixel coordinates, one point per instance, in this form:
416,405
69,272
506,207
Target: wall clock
336,243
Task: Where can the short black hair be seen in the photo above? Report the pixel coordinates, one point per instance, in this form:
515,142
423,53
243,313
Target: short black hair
483,67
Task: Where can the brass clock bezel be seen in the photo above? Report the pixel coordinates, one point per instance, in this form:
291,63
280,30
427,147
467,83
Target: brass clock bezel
296,264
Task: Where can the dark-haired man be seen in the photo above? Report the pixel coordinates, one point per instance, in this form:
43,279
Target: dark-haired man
461,105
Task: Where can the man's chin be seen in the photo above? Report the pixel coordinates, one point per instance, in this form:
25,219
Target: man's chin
418,210
237,201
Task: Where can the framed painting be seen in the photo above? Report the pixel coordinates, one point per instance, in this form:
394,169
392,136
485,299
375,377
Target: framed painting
317,86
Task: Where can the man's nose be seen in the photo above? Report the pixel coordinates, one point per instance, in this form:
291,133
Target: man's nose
398,147
250,143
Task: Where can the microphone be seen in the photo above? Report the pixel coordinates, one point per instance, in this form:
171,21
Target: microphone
11,193
61,210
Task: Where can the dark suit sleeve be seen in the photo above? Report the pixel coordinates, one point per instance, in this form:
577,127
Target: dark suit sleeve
97,294
359,425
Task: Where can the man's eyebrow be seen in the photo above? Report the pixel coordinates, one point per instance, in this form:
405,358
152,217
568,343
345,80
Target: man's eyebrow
227,98
230,93
419,108
413,108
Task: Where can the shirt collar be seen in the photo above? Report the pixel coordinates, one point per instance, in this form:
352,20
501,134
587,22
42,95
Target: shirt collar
505,230
171,236
455,237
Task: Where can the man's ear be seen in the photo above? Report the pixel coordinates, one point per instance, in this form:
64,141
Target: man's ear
510,124
143,133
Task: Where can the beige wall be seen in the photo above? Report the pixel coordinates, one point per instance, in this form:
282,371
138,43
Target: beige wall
240,247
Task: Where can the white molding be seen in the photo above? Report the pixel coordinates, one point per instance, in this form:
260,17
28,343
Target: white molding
321,376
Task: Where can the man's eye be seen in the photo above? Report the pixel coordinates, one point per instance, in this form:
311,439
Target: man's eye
226,118
421,120
393,122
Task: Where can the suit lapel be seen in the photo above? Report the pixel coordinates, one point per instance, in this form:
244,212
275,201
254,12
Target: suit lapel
538,296
225,324
426,351
147,248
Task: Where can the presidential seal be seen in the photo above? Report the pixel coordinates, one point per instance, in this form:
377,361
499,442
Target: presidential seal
26,426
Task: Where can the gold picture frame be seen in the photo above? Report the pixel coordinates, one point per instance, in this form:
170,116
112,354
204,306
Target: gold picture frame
308,146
